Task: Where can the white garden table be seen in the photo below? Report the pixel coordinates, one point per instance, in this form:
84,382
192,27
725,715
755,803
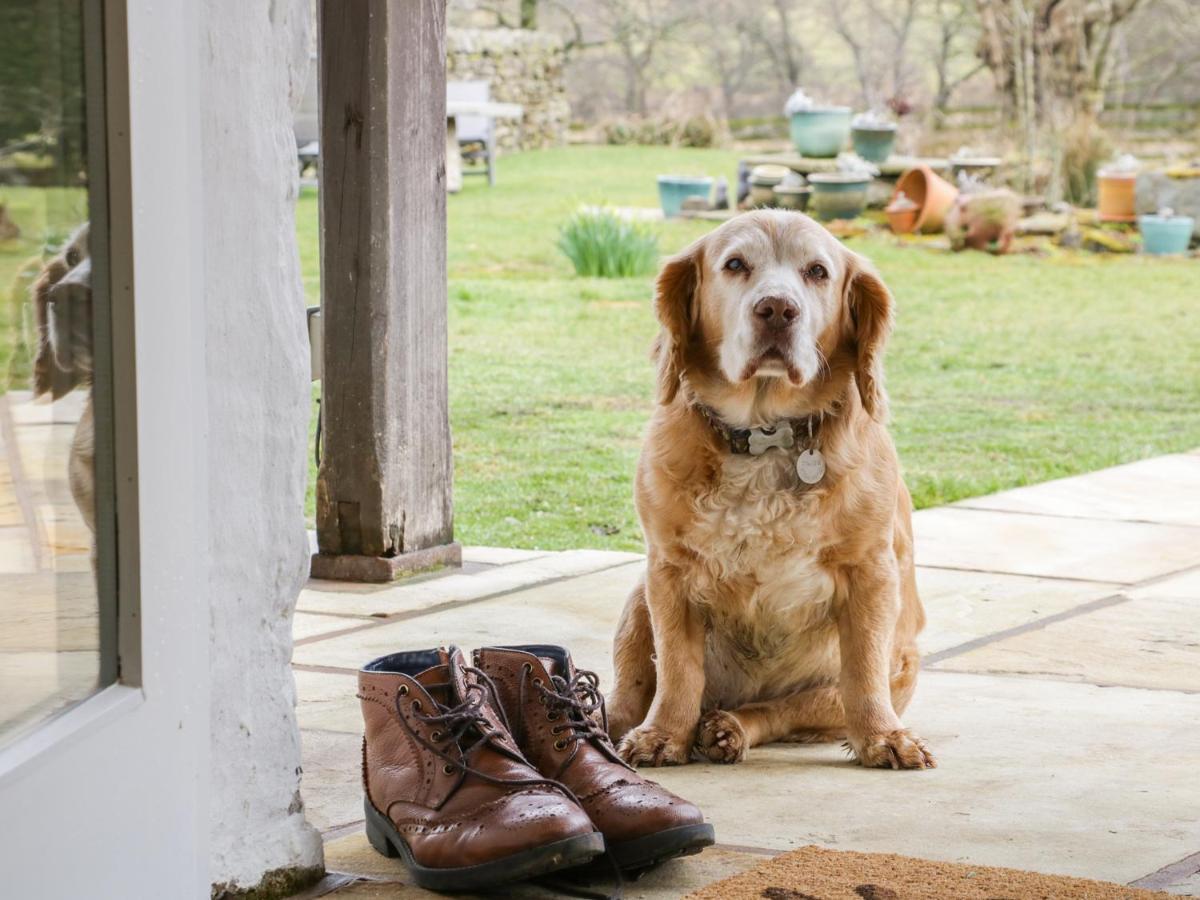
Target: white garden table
455,108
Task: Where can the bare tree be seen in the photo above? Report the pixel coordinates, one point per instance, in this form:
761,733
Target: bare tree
877,33
1050,60
730,47
772,29
956,25
638,29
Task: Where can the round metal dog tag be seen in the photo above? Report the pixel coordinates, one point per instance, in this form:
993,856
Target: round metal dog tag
810,466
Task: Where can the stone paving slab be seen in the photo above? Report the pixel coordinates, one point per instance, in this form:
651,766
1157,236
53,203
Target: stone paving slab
328,701
579,612
331,782
352,853
1048,546
1165,489
422,594
1051,776
1151,642
306,626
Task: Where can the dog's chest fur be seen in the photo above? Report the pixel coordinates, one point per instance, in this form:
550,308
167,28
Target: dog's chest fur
758,581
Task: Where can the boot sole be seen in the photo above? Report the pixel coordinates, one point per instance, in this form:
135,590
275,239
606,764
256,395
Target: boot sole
564,854
652,849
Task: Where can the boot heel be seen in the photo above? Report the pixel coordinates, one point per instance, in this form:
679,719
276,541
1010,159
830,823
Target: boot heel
378,839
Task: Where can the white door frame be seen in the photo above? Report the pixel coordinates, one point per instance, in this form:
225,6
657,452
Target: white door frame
109,800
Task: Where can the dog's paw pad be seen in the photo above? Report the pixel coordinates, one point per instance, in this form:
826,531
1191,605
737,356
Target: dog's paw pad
650,746
721,737
899,749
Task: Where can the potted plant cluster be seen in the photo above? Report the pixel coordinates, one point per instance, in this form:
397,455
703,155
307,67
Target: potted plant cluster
874,136
793,192
842,194
763,179
817,131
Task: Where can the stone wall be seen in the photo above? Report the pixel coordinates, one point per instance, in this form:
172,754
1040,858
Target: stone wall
521,66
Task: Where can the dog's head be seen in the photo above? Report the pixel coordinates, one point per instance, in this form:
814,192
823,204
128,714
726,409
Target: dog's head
771,300
62,301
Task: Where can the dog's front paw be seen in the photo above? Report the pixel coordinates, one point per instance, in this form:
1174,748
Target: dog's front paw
650,746
721,737
899,749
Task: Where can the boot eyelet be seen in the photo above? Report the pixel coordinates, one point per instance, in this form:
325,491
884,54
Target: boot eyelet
538,682
403,690
557,729
552,717
416,706
560,745
527,667
448,769
436,736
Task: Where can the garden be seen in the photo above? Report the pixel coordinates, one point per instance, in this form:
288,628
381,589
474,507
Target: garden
1003,370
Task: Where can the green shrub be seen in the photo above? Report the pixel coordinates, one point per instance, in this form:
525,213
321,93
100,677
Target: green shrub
602,244
696,131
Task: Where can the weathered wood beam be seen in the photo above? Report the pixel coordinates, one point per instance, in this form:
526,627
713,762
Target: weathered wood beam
384,504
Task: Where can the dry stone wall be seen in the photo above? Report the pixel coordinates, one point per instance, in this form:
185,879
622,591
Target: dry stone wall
521,66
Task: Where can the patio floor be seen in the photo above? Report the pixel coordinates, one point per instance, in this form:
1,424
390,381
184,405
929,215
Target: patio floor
1061,693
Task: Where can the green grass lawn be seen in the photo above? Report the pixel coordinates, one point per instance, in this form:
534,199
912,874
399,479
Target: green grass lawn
1002,371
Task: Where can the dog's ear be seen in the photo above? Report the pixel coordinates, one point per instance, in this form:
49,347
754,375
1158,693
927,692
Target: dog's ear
677,309
46,374
870,305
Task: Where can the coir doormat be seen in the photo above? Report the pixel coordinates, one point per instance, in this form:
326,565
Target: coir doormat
814,873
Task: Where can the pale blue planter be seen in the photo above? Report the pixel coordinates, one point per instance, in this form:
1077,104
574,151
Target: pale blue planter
1163,236
674,189
821,132
874,144
838,196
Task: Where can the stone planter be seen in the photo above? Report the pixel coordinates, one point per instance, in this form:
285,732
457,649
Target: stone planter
792,197
838,195
674,189
821,131
933,195
874,144
1165,235
763,180
1117,196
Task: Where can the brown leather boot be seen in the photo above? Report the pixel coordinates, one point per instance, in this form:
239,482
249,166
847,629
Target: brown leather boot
447,790
557,716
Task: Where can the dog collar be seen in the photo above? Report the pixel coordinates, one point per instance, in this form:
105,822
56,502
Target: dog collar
757,441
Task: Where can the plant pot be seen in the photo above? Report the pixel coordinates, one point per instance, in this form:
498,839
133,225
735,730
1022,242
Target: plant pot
1165,235
902,221
762,183
1117,194
674,189
820,132
792,197
933,195
874,144
836,195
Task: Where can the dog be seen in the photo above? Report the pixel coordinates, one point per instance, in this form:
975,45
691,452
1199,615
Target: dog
62,306
779,601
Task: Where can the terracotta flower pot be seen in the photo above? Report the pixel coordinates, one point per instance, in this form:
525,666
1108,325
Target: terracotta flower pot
933,195
1117,197
902,221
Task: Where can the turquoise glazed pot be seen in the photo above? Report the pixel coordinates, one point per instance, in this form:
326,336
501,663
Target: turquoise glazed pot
837,196
874,144
674,189
1162,236
822,131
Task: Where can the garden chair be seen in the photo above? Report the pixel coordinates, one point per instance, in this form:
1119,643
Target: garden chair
476,134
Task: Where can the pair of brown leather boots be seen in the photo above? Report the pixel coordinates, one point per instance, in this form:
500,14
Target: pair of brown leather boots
476,775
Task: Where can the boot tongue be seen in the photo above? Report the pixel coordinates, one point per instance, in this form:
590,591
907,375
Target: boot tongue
436,681
553,666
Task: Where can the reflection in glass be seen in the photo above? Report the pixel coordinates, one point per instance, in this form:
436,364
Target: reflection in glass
50,613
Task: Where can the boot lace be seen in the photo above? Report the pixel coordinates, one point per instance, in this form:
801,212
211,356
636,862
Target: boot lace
577,702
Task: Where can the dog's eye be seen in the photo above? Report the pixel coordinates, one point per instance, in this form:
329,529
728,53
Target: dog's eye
72,258
736,264
817,272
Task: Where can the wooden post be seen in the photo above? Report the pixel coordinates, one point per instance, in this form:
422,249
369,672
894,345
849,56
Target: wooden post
384,490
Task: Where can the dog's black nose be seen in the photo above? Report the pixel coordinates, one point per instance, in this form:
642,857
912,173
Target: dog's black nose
776,313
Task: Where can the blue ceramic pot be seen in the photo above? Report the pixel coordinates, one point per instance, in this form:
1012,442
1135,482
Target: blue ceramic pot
837,196
674,189
874,144
1162,235
821,132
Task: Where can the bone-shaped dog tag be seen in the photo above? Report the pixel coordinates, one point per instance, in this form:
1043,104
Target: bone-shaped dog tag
810,466
763,439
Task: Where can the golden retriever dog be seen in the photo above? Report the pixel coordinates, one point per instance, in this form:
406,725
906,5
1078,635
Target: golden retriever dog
779,601
62,306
